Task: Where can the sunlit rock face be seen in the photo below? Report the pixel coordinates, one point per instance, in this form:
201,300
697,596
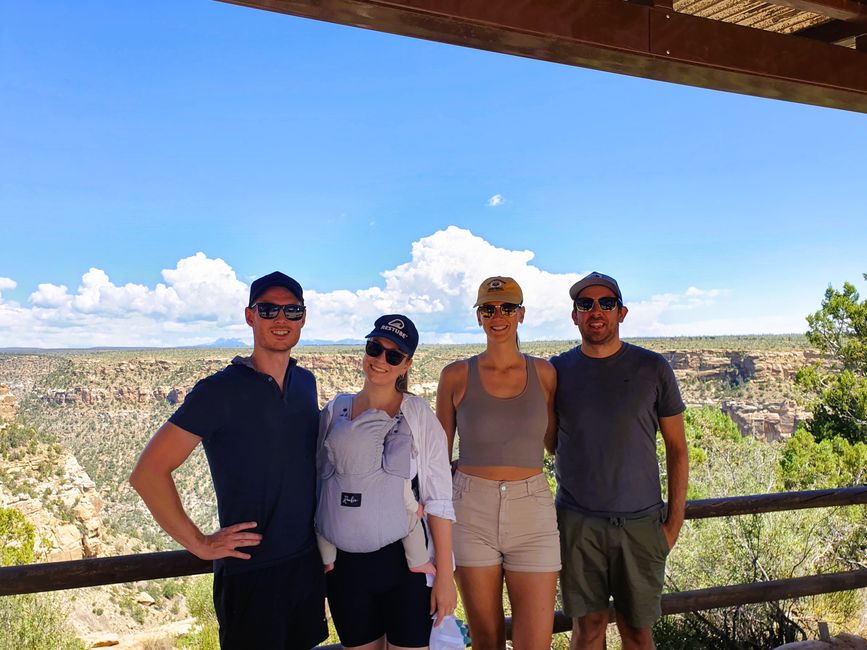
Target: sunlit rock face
8,404
48,486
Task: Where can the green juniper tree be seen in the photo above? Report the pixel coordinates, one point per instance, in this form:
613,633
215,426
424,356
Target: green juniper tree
839,395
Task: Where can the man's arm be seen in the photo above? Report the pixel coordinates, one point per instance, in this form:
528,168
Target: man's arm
548,379
152,479
677,466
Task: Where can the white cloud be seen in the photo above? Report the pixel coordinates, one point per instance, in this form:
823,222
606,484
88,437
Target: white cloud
50,295
202,299
694,292
496,200
437,289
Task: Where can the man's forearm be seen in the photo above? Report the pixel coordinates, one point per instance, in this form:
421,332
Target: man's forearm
677,467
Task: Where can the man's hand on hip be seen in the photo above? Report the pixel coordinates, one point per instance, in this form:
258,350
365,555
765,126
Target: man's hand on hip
226,541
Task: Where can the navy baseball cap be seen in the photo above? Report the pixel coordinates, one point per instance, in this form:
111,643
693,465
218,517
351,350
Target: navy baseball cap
275,279
592,279
397,328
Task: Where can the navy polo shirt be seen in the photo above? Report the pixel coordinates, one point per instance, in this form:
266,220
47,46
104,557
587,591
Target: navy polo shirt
261,448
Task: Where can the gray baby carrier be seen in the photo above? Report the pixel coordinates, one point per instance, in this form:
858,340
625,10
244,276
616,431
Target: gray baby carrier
364,466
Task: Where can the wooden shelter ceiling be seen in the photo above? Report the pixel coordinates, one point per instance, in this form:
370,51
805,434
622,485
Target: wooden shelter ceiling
808,51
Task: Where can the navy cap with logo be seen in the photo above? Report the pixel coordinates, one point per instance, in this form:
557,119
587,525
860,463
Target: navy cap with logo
398,329
275,279
595,279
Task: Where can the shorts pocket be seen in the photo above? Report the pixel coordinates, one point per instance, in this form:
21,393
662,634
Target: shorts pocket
457,492
663,541
544,497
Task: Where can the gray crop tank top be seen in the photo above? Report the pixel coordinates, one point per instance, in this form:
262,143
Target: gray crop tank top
508,431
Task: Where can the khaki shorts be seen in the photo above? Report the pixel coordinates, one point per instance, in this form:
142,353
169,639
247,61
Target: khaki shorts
623,558
512,523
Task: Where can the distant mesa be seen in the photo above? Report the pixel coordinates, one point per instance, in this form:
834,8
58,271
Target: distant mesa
239,343
225,343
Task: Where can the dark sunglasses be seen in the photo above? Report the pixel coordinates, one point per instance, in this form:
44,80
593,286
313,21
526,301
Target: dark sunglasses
392,357
269,310
605,304
506,309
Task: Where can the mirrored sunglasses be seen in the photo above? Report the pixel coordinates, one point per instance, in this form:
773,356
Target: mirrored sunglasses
506,309
605,304
270,310
392,357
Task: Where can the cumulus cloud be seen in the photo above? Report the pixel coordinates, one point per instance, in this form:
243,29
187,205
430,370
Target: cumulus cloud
495,201
202,299
50,295
437,288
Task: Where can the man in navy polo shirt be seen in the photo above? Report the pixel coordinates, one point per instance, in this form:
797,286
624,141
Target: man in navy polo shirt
257,420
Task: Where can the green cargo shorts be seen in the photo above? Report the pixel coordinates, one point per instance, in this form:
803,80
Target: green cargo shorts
619,558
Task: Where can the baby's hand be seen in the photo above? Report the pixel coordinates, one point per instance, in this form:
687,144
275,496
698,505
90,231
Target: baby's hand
420,512
329,567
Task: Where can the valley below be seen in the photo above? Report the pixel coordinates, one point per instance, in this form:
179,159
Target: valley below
86,415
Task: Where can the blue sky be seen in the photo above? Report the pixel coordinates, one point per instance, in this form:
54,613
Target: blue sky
156,157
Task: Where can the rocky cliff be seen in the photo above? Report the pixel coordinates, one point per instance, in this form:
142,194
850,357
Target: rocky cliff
8,404
739,367
769,421
57,496
753,387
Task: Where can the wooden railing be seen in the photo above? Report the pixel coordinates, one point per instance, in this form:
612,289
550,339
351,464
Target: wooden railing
53,576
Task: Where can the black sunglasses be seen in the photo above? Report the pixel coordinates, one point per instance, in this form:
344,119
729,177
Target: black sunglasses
605,304
506,309
392,357
270,310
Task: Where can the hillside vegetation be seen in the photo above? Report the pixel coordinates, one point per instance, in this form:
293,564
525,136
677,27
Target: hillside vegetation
102,406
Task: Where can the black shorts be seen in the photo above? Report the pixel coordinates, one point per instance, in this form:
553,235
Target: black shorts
375,594
280,606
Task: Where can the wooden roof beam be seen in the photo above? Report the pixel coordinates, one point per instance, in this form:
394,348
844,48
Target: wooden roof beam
838,9
622,37
834,31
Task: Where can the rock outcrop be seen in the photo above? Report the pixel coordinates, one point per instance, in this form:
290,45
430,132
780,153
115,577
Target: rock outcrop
766,418
769,421
739,367
753,387
48,486
122,395
8,404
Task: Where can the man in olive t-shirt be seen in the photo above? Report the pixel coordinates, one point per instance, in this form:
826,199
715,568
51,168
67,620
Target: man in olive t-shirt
615,531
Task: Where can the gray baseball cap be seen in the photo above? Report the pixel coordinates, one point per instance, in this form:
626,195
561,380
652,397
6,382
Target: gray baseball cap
592,279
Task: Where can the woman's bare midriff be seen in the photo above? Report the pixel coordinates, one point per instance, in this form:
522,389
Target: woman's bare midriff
500,472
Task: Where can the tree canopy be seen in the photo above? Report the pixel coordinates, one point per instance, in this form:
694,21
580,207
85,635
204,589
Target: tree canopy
839,393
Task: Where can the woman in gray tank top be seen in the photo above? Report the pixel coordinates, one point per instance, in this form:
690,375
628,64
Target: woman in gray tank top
500,404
